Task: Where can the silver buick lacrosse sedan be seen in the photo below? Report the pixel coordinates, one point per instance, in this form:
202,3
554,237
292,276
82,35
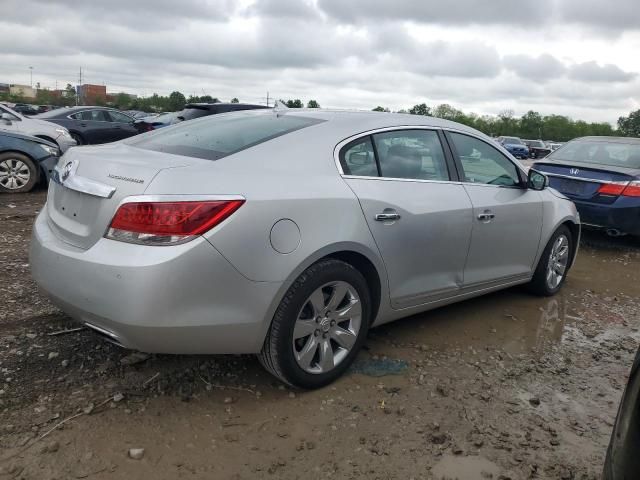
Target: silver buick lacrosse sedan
289,233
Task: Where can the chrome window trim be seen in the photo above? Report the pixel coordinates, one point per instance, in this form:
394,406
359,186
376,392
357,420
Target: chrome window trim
390,179
341,144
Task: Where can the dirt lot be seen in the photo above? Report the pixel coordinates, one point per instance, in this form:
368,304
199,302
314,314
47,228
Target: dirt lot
507,386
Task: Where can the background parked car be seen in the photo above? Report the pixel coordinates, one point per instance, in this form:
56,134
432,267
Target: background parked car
602,176
537,148
13,121
623,461
197,110
91,125
514,146
24,161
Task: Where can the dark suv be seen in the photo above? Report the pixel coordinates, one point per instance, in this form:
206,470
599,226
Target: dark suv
537,148
197,110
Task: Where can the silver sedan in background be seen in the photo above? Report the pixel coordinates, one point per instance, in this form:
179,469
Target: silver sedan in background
289,233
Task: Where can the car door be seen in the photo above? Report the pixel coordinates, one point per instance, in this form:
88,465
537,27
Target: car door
418,213
93,125
121,125
507,216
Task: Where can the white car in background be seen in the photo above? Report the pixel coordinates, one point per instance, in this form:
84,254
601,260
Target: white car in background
14,122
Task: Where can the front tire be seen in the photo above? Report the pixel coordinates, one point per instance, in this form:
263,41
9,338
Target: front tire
319,326
18,173
554,264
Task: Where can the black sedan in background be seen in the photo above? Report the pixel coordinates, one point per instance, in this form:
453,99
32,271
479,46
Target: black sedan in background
537,148
197,110
24,161
623,455
91,125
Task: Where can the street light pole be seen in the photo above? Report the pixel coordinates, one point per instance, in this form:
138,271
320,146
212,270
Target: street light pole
31,75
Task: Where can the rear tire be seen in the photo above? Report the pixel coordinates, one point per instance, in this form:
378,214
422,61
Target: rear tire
554,264
18,173
78,138
319,326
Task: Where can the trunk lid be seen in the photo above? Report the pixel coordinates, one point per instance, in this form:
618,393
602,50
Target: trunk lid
581,181
90,182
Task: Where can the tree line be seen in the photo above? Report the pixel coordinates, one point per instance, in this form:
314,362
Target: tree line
531,125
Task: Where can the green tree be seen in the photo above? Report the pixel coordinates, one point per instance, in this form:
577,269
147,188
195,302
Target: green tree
235,100
297,103
420,109
313,104
630,126
531,125
380,109
176,101
123,101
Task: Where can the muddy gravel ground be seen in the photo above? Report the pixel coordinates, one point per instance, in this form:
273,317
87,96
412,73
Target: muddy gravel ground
508,386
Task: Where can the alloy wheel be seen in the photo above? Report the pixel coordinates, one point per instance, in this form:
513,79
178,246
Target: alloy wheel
558,261
327,327
14,174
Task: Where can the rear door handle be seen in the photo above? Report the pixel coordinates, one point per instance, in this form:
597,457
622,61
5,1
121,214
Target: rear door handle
385,217
486,217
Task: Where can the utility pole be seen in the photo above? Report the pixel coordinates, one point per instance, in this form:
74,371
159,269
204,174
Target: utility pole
31,76
267,98
79,87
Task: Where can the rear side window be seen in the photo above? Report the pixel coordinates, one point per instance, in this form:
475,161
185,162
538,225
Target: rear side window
411,154
215,137
358,159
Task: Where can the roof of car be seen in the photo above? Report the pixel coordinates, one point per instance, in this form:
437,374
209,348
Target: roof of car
628,140
369,120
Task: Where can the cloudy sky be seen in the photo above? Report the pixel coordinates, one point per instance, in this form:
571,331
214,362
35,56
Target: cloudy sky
573,57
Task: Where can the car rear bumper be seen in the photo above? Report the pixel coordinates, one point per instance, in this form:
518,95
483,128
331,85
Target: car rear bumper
180,299
623,215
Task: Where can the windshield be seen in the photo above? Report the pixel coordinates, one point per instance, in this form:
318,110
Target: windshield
217,136
512,141
535,143
616,154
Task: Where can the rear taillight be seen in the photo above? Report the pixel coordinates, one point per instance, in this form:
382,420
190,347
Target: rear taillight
632,190
168,223
626,189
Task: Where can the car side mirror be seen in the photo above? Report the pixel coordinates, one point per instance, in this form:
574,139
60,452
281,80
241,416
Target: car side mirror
6,118
537,180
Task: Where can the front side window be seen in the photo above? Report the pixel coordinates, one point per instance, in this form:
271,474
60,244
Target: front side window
411,154
482,163
358,159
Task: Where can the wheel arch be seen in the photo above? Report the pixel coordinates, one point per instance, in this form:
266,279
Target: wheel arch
355,254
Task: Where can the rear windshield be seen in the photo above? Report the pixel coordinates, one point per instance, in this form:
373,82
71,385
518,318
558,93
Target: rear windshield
194,112
512,141
217,136
601,153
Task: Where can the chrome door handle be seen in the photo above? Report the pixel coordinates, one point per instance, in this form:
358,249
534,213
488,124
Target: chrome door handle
486,217
385,217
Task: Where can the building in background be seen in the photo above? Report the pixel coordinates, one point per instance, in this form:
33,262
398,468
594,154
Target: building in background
92,94
22,91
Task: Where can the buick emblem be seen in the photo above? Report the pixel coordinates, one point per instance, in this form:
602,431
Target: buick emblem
574,171
66,170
